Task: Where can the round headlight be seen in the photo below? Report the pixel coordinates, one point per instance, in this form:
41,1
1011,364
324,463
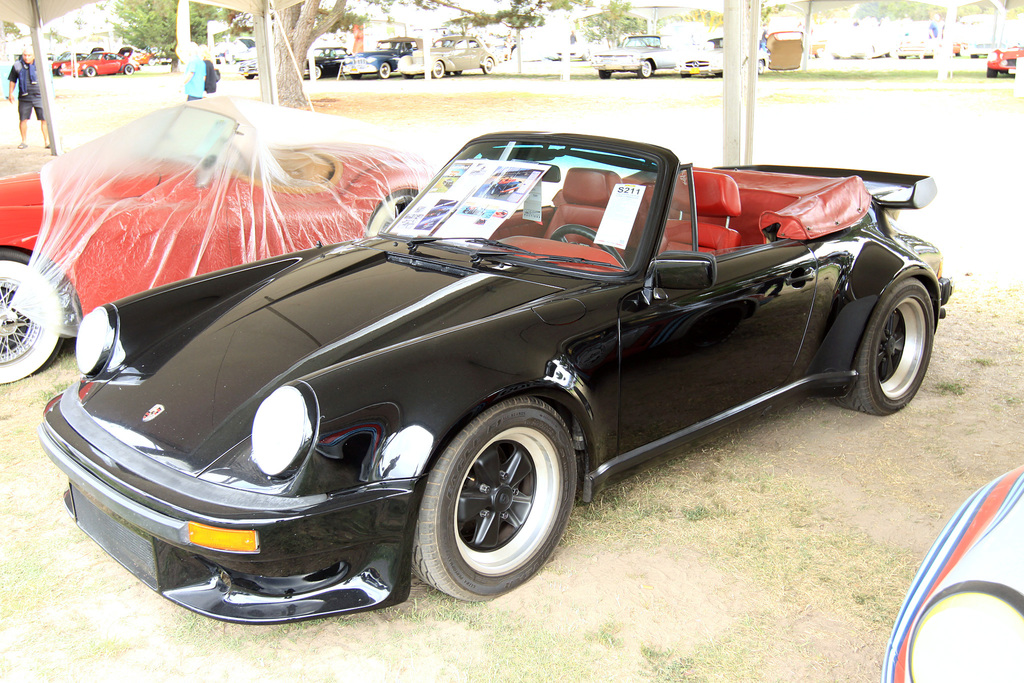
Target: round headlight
968,636
96,335
281,430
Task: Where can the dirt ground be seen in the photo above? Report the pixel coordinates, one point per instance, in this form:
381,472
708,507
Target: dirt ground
804,593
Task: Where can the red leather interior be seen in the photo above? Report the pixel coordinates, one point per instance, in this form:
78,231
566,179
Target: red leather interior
546,247
718,198
716,193
585,193
710,237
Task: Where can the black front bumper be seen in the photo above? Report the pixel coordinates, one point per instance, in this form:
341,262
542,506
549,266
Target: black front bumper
330,555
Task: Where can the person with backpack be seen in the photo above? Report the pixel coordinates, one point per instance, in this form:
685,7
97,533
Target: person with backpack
195,75
30,98
212,75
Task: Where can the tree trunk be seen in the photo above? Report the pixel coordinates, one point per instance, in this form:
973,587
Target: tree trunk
296,24
299,24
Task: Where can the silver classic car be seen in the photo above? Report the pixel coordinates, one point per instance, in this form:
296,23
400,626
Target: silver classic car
450,55
642,55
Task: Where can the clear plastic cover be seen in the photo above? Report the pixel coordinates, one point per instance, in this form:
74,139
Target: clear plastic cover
202,186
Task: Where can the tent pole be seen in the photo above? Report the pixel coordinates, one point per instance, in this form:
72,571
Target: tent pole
264,36
45,76
732,83
808,17
753,26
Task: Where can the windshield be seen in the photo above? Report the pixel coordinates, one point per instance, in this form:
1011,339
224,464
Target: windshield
642,41
575,205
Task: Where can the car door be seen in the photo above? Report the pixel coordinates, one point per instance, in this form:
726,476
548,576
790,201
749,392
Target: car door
111,64
698,353
460,56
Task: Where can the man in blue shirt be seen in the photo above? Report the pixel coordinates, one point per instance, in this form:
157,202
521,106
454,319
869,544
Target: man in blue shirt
195,75
23,76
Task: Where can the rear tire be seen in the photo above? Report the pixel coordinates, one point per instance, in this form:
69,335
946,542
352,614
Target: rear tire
129,69
893,355
384,72
89,71
25,347
488,66
497,501
604,75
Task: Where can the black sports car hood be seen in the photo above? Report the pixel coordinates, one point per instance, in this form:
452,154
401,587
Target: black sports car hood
210,374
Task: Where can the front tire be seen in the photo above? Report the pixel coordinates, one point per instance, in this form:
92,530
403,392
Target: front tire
497,501
25,346
438,70
604,75
646,69
991,73
893,355
387,211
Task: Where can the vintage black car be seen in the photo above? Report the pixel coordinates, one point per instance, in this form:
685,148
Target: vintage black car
382,61
326,60
294,438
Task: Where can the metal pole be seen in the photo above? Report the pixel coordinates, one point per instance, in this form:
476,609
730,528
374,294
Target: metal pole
732,83
45,75
264,36
808,18
753,27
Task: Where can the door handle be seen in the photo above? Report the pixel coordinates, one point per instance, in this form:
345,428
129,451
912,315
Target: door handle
799,277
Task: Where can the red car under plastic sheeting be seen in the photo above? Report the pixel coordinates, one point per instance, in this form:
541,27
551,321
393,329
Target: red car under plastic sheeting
182,192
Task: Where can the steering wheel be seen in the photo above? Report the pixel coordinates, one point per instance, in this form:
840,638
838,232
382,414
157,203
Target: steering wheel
586,233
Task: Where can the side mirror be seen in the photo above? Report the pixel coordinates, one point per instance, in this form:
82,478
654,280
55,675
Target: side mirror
679,270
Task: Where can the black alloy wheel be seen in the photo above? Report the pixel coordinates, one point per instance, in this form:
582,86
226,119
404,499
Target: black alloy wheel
894,352
496,502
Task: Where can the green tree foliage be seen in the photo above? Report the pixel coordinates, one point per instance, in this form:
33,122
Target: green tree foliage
517,14
611,25
709,18
915,11
151,24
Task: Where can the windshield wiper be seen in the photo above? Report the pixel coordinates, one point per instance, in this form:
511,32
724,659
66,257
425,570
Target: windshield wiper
415,242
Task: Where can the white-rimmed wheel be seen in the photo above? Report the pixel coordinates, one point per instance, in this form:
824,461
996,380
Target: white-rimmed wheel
25,347
387,211
438,70
893,355
497,501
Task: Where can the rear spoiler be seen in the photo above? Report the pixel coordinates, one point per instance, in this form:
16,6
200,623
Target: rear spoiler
890,190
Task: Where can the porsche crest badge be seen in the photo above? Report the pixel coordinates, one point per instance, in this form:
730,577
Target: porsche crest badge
153,413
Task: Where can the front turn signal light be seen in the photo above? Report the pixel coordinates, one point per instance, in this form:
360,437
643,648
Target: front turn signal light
228,540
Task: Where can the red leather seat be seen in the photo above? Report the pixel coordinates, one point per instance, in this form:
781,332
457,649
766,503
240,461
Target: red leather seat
718,199
710,237
585,195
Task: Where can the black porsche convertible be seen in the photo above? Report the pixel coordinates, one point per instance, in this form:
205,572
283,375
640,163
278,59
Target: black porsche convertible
294,438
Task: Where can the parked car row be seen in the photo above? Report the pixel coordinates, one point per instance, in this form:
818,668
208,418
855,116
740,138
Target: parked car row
327,62
126,61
